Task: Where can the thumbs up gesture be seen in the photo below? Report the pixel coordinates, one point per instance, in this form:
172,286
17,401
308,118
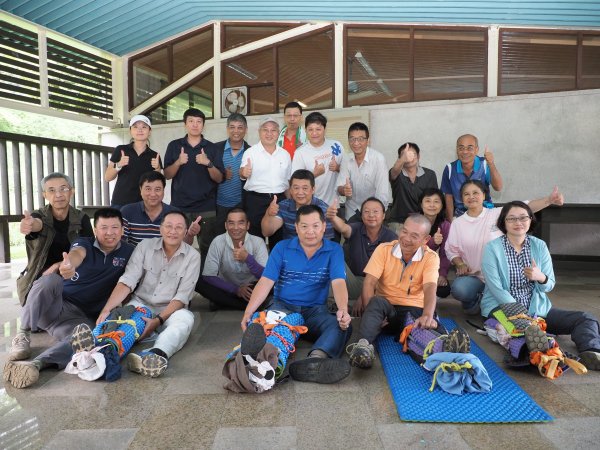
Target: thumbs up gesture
438,237
183,157
195,227
347,188
202,159
246,171
556,197
333,165
332,210
155,162
488,155
27,221
66,269
319,169
240,253
534,273
124,160
273,208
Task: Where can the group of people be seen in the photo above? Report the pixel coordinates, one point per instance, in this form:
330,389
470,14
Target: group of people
286,191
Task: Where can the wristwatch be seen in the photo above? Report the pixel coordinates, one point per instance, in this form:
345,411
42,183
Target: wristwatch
117,167
210,164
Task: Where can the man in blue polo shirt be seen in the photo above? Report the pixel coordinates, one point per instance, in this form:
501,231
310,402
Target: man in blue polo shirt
196,169
302,269
229,191
283,214
57,303
468,166
141,220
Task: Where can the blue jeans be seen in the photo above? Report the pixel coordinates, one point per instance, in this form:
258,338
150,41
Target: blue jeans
467,289
323,327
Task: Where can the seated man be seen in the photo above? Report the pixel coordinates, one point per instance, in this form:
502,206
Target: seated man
90,272
142,220
302,269
283,214
468,166
401,278
50,231
361,240
235,261
161,275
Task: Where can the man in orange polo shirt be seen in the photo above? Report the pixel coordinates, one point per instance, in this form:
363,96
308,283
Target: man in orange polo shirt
292,135
400,277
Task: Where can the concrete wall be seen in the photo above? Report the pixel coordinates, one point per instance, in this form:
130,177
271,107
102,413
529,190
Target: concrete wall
538,140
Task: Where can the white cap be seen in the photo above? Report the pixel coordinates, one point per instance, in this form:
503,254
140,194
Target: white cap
267,120
139,118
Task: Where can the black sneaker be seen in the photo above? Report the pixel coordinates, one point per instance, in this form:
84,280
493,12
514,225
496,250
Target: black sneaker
253,340
320,370
361,354
457,341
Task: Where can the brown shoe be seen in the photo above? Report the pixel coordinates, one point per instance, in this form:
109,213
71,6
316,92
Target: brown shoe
20,348
21,374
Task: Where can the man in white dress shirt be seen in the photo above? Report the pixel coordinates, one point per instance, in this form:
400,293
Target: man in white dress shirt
267,168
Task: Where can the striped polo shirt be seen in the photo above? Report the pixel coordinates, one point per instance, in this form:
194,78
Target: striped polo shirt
138,226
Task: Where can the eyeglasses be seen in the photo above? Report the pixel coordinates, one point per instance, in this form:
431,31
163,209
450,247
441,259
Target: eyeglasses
521,219
360,139
177,228
462,148
62,190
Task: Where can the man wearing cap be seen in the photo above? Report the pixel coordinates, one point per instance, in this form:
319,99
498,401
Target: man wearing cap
196,169
292,134
266,168
129,162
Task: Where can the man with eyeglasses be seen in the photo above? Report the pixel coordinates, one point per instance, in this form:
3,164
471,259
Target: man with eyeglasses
468,166
50,230
292,134
266,169
161,275
363,174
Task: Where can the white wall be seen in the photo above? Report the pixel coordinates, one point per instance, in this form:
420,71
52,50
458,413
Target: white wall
538,140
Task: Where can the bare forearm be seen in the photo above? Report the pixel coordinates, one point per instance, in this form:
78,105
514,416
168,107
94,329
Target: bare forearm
172,170
368,290
429,303
495,177
118,295
270,224
215,174
173,306
340,294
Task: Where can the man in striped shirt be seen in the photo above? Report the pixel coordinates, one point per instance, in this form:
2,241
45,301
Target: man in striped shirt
141,220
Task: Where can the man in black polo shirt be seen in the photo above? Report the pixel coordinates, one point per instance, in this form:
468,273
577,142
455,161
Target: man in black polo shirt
58,303
196,169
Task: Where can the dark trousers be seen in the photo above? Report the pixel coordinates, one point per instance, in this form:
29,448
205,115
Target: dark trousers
220,297
379,309
582,326
255,204
207,231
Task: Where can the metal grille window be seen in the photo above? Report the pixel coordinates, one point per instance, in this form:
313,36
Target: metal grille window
590,76
19,64
235,35
79,81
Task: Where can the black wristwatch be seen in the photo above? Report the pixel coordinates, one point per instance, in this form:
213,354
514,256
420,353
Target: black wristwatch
210,165
160,319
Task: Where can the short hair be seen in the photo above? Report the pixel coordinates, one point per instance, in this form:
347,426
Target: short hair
309,209
53,176
179,213
236,210
303,174
289,105
420,219
315,117
153,175
372,199
477,183
468,135
429,192
237,117
193,112
107,213
501,223
358,126
410,144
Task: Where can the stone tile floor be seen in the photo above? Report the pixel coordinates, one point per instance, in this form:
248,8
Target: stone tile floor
188,408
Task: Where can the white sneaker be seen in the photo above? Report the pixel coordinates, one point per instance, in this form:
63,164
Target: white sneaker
20,348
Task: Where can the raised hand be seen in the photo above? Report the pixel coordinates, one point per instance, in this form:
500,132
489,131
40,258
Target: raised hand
246,171
319,169
438,237
333,165
347,188
240,253
195,227
202,159
66,269
183,157
534,273
332,210
155,162
273,208
27,222
488,155
556,197
409,154
124,160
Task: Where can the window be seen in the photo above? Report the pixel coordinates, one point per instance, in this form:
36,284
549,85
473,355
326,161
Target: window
236,35
590,76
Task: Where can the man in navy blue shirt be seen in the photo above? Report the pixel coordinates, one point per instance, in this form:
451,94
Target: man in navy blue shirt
302,269
196,169
57,303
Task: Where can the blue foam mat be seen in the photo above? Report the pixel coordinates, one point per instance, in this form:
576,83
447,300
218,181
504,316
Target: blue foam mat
409,383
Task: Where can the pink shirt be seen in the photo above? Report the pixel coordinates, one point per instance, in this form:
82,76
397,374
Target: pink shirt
468,235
